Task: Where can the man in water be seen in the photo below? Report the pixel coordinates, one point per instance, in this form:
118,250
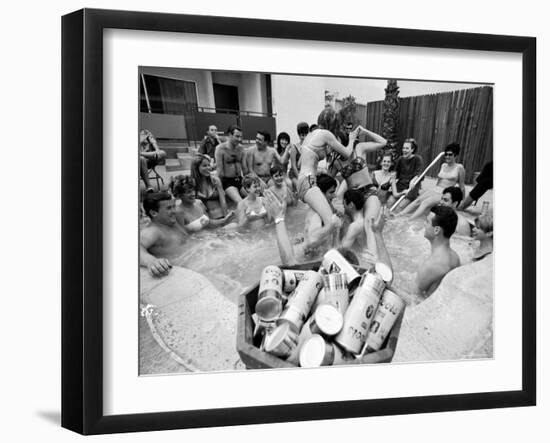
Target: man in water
260,157
164,237
230,163
438,228
209,142
354,236
317,236
451,197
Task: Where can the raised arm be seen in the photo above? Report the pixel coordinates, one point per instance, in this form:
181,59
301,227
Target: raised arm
345,151
276,209
376,142
377,226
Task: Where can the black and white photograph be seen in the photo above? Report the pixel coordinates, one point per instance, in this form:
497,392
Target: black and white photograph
294,221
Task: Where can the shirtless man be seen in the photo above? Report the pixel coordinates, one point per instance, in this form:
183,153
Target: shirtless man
438,228
230,162
451,197
164,237
354,236
260,157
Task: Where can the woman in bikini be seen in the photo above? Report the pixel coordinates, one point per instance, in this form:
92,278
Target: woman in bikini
208,187
357,176
483,232
296,153
315,148
251,212
450,174
383,178
192,213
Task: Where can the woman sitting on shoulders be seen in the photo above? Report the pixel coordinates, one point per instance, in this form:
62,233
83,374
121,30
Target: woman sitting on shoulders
208,187
192,213
251,212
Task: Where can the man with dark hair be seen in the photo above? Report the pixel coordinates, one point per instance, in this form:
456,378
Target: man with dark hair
209,142
150,155
302,129
163,237
354,201
451,197
260,157
230,163
438,228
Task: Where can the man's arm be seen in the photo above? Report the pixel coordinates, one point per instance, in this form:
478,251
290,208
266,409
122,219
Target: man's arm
156,266
218,155
428,274
276,209
377,226
317,233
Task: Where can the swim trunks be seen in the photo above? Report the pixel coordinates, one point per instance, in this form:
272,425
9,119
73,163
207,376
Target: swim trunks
228,182
305,183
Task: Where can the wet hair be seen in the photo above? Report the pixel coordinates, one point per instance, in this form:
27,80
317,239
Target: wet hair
151,202
485,222
325,182
302,128
180,184
454,148
356,197
233,128
414,145
456,193
446,219
313,127
329,119
276,169
249,179
195,165
282,136
349,255
266,135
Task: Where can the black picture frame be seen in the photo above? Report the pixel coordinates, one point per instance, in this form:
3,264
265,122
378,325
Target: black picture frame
82,221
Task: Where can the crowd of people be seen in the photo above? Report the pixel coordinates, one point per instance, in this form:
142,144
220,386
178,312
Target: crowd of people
234,187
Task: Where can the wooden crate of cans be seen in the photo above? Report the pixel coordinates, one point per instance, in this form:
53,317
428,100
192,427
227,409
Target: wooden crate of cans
284,335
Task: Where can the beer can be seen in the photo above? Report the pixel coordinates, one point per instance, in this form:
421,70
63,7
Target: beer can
334,262
316,351
270,302
360,313
326,321
335,292
302,299
291,278
389,308
281,341
384,271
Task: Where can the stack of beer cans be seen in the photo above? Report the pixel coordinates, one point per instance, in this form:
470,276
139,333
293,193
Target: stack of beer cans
327,317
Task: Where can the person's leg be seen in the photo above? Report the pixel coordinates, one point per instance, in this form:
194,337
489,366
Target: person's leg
317,201
410,207
370,211
143,172
233,194
425,207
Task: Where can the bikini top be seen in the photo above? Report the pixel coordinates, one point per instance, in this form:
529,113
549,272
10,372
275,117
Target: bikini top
251,212
319,151
446,173
198,223
211,196
381,182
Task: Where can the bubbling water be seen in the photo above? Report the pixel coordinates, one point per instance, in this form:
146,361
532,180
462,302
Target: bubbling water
233,261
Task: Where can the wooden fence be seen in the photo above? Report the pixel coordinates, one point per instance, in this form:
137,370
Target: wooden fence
435,120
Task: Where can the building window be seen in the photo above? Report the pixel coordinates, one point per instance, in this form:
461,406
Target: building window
161,95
